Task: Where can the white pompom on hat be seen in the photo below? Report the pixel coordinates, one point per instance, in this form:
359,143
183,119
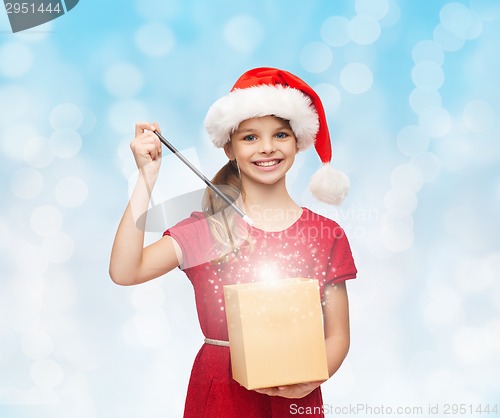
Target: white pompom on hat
270,91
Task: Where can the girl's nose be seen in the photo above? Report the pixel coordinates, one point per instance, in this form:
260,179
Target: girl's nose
267,145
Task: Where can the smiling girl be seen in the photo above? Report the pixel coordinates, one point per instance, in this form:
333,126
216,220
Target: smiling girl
267,118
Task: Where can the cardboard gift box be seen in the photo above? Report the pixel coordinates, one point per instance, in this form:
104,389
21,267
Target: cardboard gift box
276,334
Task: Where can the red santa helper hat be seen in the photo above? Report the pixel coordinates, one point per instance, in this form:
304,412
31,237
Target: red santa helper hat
269,91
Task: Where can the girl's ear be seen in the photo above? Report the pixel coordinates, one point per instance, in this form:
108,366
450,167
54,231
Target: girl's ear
228,149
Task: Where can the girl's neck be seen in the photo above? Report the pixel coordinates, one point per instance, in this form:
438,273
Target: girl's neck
271,208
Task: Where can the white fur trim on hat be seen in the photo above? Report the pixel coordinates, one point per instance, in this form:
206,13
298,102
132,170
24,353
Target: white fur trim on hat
329,185
225,115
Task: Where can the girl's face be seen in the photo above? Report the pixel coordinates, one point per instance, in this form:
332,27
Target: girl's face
264,149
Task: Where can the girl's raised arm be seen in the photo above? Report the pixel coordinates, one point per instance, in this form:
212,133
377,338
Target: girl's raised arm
130,262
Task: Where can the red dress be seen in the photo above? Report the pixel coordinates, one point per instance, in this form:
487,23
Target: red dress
313,247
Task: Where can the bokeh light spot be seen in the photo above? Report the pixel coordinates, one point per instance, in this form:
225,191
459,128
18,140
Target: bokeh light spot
71,191
487,10
460,21
66,116
123,80
16,59
412,140
478,115
154,39
27,183
364,29
435,121
243,33
60,296
14,138
396,235
465,225
484,269
58,247
20,101
5,236
444,305
36,152
455,152
472,345
37,344
428,164
32,288
148,297
65,143
407,176
393,15
335,31
46,220
154,9
46,373
427,51
400,199
330,96
356,78
148,329
375,8
316,57
427,75
423,99
447,40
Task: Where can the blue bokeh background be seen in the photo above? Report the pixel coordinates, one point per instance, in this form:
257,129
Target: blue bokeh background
413,101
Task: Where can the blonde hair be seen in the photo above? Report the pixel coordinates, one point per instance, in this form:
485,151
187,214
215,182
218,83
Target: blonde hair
224,223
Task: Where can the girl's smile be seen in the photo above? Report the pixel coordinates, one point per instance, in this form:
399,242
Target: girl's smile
268,165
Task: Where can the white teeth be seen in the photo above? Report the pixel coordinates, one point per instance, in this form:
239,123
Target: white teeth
267,163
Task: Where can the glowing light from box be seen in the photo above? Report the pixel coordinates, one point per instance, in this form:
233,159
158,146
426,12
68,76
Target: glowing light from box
268,272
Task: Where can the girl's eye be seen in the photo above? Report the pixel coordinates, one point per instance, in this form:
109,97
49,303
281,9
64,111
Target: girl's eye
281,135
249,138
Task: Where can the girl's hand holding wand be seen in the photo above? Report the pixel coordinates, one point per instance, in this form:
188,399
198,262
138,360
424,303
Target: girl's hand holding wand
130,262
146,148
